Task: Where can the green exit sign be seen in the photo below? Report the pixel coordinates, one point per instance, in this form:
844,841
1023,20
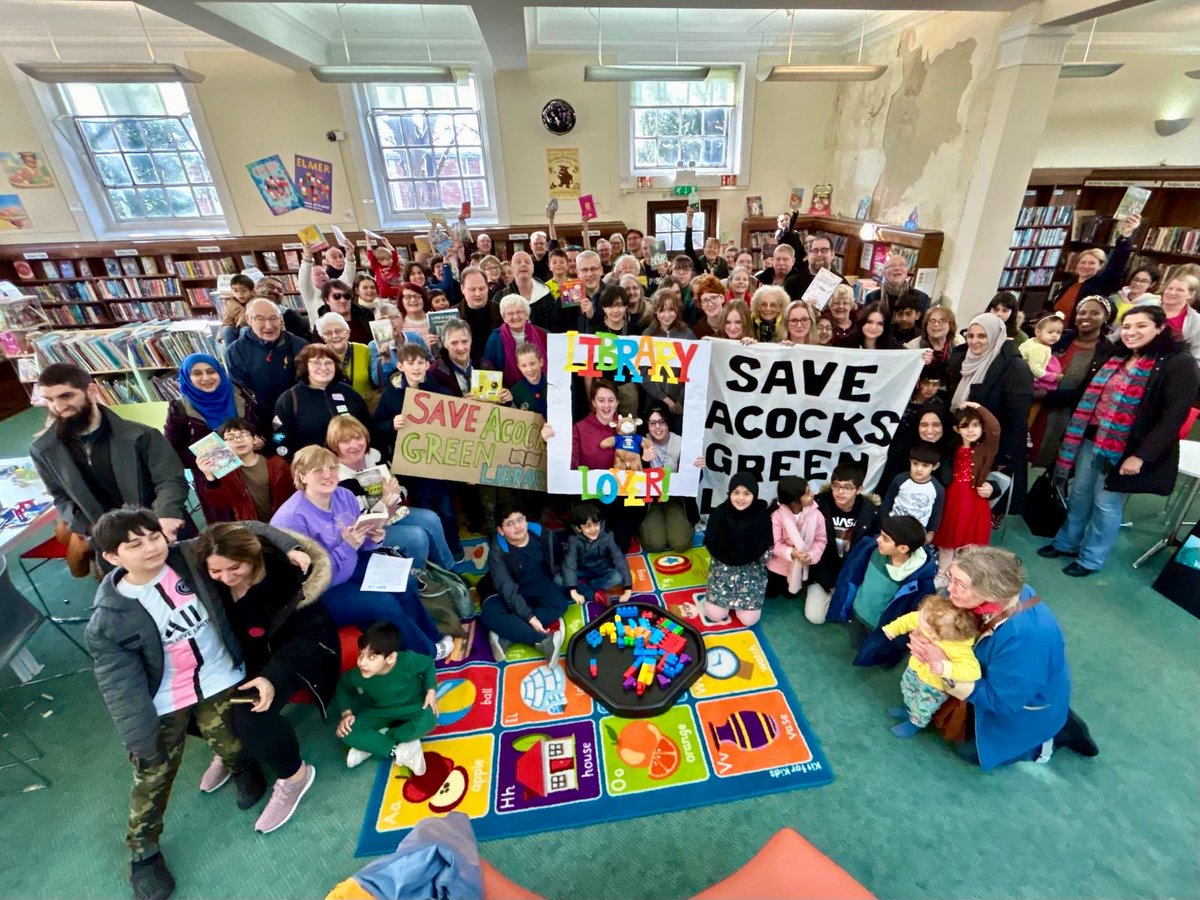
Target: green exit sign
682,190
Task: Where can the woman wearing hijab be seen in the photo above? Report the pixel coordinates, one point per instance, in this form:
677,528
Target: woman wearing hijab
989,370
738,539
208,399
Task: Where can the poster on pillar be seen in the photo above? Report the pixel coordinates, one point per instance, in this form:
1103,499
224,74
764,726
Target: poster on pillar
777,411
676,368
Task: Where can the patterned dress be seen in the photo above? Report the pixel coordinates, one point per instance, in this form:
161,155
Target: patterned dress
967,518
737,587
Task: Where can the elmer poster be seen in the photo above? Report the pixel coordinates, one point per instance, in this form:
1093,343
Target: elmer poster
620,359
275,184
314,183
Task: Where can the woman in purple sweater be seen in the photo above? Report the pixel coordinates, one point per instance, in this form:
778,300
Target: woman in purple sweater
328,513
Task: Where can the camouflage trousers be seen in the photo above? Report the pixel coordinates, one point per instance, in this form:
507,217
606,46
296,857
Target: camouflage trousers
152,781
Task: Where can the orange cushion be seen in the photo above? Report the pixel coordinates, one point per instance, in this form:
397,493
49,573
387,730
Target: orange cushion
497,887
787,868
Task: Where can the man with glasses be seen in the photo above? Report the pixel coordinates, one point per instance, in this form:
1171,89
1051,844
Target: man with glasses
820,256
263,360
590,270
850,516
896,286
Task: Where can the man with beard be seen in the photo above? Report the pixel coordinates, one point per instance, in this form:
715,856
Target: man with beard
93,461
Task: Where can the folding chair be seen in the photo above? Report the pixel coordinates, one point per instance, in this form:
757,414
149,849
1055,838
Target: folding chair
45,552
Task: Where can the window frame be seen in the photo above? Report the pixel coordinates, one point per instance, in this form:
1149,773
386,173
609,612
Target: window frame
75,158
358,101
675,206
731,136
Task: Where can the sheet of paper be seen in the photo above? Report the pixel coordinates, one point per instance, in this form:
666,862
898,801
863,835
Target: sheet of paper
821,289
386,573
338,235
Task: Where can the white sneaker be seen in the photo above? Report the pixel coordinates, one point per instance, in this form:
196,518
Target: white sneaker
499,647
410,755
356,757
444,647
552,644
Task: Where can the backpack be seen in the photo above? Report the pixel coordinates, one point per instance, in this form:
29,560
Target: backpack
447,597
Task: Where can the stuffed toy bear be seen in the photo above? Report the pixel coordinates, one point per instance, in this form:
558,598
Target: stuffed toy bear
628,443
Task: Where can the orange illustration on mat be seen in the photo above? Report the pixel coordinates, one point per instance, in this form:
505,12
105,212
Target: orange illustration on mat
736,663
458,777
533,694
642,582
751,733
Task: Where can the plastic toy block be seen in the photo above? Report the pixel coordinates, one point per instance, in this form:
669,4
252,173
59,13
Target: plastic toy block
641,688
592,668
664,681
628,612
629,683
594,639
647,614
630,672
684,659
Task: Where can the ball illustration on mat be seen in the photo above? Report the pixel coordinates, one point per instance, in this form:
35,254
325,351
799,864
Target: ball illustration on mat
644,746
545,690
455,697
746,730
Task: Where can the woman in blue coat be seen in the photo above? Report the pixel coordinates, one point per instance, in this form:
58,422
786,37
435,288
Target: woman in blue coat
1020,708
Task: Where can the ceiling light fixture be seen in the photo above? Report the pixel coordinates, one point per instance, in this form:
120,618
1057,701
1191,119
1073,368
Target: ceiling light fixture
433,73
107,73
856,72
642,72
1168,127
1085,69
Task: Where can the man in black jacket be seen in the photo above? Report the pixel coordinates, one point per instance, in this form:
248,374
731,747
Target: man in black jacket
263,361
820,256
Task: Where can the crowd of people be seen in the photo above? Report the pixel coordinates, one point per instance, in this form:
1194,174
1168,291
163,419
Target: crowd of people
225,627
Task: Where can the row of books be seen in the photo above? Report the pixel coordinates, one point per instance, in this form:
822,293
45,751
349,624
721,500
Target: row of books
1045,215
1173,239
202,296
207,268
1020,259
157,344
75,314
1038,237
1021,278
116,289
167,344
140,312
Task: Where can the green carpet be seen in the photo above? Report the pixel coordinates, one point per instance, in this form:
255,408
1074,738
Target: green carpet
907,819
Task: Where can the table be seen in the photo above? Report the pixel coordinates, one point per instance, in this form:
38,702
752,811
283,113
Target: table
1189,468
25,506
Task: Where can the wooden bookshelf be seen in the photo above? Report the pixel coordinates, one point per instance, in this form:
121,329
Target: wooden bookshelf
1164,239
922,247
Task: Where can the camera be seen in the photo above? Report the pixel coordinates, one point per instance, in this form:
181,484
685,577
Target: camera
333,136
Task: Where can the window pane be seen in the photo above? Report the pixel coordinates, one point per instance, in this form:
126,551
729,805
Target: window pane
416,96
182,202
452,193
471,160
689,152
714,121
678,221
668,152
178,135
714,152
99,135
155,202
646,123
395,162
112,170
722,92
668,121
468,128
448,165
427,194
84,99
174,101
645,154
130,134
477,191
402,195
415,129
676,92
142,167
442,128
170,169
158,135
443,95
662,222
421,162
133,99
689,121
197,171
208,202
125,204
388,130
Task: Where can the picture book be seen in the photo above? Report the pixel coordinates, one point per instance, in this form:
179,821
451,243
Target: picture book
314,183
435,217
248,260
879,255
271,260
274,184
169,265
212,451
149,265
552,208
821,288
224,284
67,268
587,207
486,385
754,205
381,331
796,199
1133,202
112,267
312,238
24,269
423,245
27,369
129,265
291,259
339,236
85,269
49,269
822,196
465,209
442,242
570,292
439,318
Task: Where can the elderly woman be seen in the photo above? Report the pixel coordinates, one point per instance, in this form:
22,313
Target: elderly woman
709,294
990,371
1178,297
355,359
939,333
1123,438
323,510
740,285
336,296
798,321
501,349
1019,709
302,412
841,313
636,291
1096,272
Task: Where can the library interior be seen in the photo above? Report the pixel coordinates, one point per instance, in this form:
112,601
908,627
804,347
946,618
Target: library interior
562,426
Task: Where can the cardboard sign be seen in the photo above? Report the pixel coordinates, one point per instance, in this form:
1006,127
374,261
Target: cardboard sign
459,439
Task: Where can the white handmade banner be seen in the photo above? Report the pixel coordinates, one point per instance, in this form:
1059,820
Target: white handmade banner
621,359
777,411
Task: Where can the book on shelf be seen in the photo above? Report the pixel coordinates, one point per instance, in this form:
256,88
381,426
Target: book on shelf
85,268
66,268
23,269
13,344
149,265
49,269
271,260
249,261
754,205
129,265
169,264
291,259
205,268
28,369
202,296
215,453
822,198
112,267
1179,239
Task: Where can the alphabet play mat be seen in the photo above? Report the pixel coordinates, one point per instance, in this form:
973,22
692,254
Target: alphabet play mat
521,749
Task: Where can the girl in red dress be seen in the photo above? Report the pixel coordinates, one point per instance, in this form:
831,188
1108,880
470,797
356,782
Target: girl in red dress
967,518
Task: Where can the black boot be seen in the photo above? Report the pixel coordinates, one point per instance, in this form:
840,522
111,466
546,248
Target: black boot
250,784
151,879
1076,736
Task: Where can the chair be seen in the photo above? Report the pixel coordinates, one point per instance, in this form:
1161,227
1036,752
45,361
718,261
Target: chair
19,621
45,552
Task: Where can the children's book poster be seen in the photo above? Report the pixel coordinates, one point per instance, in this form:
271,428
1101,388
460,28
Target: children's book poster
13,216
26,169
314,182
275,184
563,171
822,196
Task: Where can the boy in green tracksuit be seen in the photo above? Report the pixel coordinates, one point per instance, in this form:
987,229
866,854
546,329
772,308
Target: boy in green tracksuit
388,703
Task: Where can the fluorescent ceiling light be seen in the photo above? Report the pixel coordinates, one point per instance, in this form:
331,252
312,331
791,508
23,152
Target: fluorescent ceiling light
385,74
822,73
1088,69
645,73
108,73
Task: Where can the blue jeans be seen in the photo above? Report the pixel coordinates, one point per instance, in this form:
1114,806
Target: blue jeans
348,604
1093,513
420,537
435,495
589,582
546,599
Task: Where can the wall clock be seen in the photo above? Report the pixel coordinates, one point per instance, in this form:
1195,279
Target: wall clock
558,116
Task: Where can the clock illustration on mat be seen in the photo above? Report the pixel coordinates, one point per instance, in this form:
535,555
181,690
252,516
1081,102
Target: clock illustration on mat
722,663
558,116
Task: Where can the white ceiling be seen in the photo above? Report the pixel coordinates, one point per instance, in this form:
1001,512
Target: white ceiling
300,33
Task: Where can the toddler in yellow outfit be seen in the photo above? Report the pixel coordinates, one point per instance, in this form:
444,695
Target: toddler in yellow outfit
923,685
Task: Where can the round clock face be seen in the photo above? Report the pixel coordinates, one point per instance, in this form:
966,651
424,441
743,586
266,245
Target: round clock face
558,116
722,663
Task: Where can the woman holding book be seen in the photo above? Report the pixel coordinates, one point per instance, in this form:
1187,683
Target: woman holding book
415,532
354,358
501,349
1096,272
414,302
208,399
328,513
387,342
303,412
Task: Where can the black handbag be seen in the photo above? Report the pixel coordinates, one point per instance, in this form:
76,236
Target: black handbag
1045,507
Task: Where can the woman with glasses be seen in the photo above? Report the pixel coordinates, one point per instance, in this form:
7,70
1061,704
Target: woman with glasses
710,294
339,298
939,333
323,510
414,303
354,359
667,525
798,321
303,412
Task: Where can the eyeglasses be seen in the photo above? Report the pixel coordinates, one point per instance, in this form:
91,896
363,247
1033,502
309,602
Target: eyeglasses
658,421
320,362
238,436
330,469
337,295
262,320
796,320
